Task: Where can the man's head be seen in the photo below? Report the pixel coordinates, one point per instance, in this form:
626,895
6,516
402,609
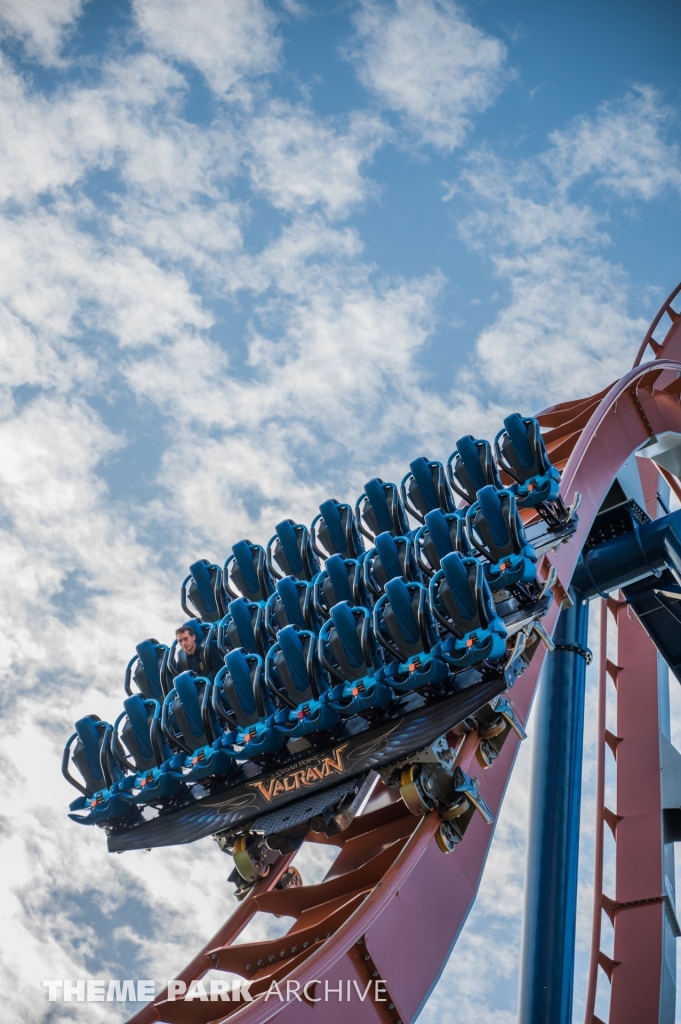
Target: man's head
186,638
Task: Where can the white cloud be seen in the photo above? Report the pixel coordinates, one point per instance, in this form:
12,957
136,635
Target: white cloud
623,146
42,25
424,59
227,40
298,161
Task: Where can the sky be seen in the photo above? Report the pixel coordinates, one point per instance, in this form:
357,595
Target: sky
251,254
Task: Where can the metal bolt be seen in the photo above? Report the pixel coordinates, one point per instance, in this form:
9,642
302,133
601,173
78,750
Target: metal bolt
391,1006
305,945
270,958
294,949
374,974
366,957
282,953
259,963
248,967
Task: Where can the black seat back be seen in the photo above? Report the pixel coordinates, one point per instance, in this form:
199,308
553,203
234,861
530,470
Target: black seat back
520,448
141,734
145,669
292,604
245,573
242,626
240,682
289,552
493,525
334,531
292,669
425,488
391,558
471,466
340,580
347,647
201,590
461,599
402,620
379,509
441,534
186,710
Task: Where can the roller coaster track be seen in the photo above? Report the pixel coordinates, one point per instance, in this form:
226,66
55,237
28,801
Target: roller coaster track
393,905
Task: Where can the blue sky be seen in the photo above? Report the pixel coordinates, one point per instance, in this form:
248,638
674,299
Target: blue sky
251,255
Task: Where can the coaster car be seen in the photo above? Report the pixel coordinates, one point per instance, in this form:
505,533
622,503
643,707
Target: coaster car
246,574
349,655
292,604
340,580
471,467
425,488
334,531
145,669
521,452
379,509
392,557
440,534
202,589
294,677
242,626
289,552
495,530
403,625
462,602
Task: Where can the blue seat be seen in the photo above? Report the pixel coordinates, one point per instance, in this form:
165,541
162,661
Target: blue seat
292,604
334,531
425,488
152,777
245,709
391,558
294,676
404,626
191,724
379,509
187,717
145,669
471,467
349,656
242,626
89,749
440,534
245,574
462,602
289,552
202,589
495,530
340,580
521,453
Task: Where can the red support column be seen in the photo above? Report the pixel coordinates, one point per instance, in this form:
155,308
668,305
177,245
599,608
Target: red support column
638,910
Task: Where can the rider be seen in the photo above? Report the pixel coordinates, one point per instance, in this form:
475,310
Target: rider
199,657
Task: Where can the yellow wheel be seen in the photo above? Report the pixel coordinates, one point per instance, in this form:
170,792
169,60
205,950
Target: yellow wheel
456,810
484,754
249,869
410,792
445,838
493,729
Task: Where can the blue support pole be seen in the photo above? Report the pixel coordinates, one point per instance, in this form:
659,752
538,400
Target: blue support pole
549,920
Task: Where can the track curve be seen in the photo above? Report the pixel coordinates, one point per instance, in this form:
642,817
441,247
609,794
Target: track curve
373,913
